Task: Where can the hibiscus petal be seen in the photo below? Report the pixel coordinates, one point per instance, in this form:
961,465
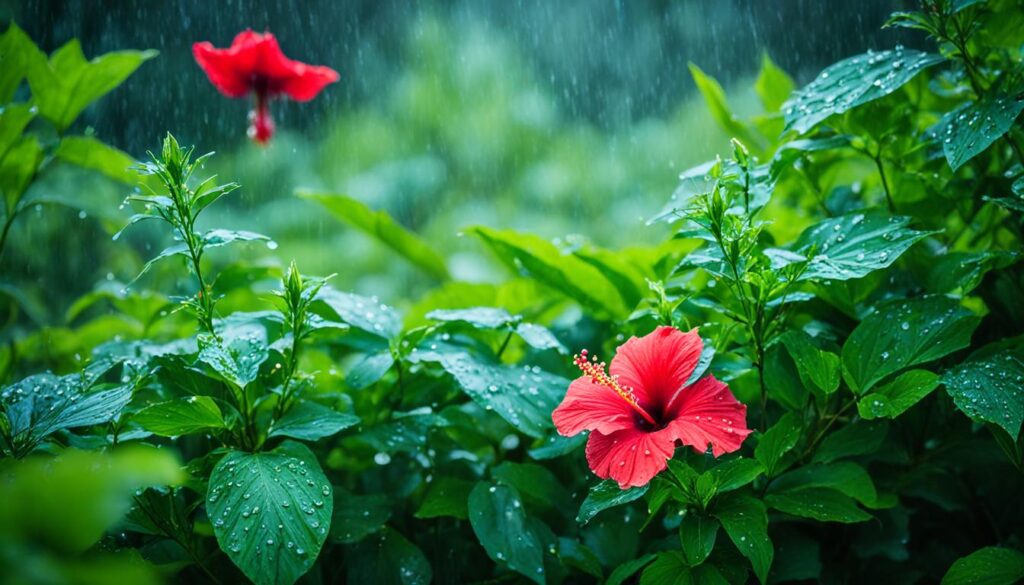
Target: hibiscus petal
706,413
657,364
590,406
230,75
308,81
630,456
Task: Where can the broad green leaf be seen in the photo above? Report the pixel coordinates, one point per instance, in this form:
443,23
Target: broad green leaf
89,153
746,522
556,446
607,495
179,249
714,97
236,361
628,569
668,568
181,416
17,168
697,535
311,421
854,245
822,504
364,313
384,229
845,477
533,256
499,521
777,441
966,132
406,432
893,399
852,82
578,556
369,370
988,566
988,388
16,50
356,517
521,395
218,237
904,333
446,496
539,337
13,120
816,367
539,487
41,405
964,271
773,85
388,558
736,473
788,153
66,503
859,438
270,511
494,318
66,83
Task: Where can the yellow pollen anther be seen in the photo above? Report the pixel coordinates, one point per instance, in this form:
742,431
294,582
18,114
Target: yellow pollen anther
596,372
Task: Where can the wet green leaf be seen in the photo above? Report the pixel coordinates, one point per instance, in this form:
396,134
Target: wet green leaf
967,131
388,558
605,495
181,416
356,517
311,421
816,367
777,441
988,566
990,388
446,496
697,535
746,522
499,521
893,399
822,504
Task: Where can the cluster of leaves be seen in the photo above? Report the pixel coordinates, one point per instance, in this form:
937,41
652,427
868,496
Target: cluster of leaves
854,268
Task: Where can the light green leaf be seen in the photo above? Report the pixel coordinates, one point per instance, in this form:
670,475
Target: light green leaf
988,388
384,229
777,441
17,168
364,313
605,495
773,85
714,97
89,153
63,86
904,333
817,368
499,521
852,82
311,421
236,360
16,49
746,522
181,416
369,370
967,131
270,511
822,504
893,399
854,245
13,120
495,318
697,535
218,237
388,558
988,566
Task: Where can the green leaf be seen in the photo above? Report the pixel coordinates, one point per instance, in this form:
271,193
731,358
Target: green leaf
236,361
854,245
500,524
988,388
13,120
964,271
845,477
904,333
364,313
63,86
181,416
967,131
369,370
893,399
988,566
521,395
577,556
607,495
816,367
777,441
218,237
494,318
714,97
539,487
16,50
859,438
852,82
822,504
446,496
531,255
628,569
556,446
773,86
746,522
736,473
89,153
17,168
311,421
697,535
388,558
356,517
384,229
270,511
668,568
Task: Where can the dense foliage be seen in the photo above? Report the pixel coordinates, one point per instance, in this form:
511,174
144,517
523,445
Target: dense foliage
852,265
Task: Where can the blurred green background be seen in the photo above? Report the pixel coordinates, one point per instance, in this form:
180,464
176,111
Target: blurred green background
569,119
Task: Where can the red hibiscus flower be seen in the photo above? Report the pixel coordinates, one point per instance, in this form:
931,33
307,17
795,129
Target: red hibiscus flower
255,64
644,408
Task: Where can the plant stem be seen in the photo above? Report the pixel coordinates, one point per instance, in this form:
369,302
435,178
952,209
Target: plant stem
504,344
885,182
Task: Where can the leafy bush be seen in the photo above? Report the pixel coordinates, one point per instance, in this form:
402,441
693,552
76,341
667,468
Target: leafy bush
852,267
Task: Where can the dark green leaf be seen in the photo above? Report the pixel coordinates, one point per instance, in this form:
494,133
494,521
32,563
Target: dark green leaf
270,511
845,477
860,438
988,388
777,441
628,569
892,399
668,568
181,416
966,132
388,558
964,271
556,446
746,522
356,517
822,504
736,473
817,368
988,566
310,421
904,333
697,534
499,521
607,495
369,370
539,487
852,82
446,496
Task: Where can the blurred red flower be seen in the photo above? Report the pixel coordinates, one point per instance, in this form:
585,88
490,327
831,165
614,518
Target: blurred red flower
255,64
644,408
